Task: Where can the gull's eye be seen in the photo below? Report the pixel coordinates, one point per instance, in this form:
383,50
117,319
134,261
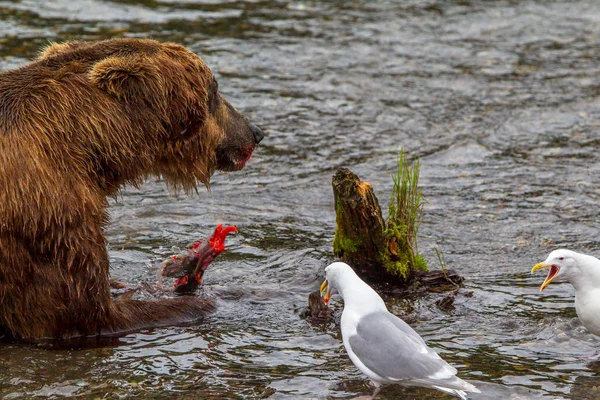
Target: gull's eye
561,258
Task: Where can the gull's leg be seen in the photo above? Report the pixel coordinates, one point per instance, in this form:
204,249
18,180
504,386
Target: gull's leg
377,389
371,384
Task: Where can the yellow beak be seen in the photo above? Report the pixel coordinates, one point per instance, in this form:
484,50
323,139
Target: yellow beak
551,274
325,289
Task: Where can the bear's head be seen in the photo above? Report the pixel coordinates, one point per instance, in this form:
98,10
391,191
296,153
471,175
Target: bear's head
185,126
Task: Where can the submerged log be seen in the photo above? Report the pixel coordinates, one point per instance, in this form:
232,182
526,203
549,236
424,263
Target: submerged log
317,311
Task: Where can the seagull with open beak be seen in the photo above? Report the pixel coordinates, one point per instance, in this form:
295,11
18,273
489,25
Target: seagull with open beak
583,272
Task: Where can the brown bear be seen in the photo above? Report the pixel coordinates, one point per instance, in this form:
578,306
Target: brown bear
76,124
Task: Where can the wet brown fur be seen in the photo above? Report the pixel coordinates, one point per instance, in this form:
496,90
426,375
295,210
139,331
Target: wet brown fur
77,124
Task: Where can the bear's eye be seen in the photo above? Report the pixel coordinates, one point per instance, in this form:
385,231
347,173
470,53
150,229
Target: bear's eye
213,97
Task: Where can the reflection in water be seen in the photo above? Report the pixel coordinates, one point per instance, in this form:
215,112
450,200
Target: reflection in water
499,99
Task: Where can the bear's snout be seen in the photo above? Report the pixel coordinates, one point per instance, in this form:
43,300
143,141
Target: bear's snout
257,133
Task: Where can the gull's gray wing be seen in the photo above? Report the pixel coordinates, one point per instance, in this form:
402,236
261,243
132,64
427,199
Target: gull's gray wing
393,350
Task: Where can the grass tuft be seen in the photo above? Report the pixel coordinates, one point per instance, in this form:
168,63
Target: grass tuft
404,218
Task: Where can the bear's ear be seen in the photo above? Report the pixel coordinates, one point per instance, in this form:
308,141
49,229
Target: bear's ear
53,49
129,79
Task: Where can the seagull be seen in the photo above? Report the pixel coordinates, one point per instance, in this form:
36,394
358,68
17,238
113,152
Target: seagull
583,272
383,346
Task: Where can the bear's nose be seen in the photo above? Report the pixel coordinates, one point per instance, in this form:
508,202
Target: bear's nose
257,133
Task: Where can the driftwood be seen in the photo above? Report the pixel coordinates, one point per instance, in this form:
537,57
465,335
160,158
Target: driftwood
360,240
317,311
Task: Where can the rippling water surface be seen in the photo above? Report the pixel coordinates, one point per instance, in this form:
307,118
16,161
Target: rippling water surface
500,99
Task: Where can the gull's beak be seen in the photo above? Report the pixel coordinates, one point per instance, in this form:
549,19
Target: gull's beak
551,274
325,289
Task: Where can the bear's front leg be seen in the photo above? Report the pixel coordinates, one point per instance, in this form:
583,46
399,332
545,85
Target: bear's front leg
53,288
61,290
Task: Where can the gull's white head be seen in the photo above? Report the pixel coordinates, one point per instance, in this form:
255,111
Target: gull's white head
562,264
333,274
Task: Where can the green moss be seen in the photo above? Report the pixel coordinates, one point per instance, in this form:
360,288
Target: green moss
339,209
343,244
404,267
398,268
421,263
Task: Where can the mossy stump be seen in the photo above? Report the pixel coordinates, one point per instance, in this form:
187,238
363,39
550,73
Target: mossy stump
360,239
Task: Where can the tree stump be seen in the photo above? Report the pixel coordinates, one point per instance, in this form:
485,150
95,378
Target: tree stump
361,243
359,239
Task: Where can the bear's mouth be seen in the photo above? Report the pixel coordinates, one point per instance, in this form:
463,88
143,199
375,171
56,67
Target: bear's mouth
242,163
236,161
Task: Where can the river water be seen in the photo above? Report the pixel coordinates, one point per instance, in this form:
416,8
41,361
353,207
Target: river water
499,99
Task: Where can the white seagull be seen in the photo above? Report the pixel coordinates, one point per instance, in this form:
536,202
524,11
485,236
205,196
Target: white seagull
583,272
383,346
